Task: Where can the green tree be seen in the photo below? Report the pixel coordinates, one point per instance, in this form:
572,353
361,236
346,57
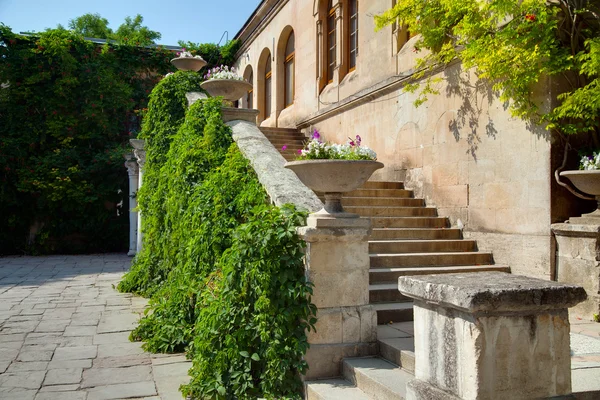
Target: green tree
133,32
129,32
514,44
91,25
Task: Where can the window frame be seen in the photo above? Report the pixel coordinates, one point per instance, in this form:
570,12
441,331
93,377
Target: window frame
290,58
351,33
331,29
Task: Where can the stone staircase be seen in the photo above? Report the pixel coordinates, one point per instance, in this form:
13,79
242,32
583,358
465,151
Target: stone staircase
408,238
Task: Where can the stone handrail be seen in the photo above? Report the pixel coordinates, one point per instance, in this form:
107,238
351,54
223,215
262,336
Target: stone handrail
282,185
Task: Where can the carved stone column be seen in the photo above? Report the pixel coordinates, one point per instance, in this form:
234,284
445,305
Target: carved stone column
140,155
133,172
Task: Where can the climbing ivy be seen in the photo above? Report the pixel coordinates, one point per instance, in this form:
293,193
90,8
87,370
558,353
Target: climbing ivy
223,267
66,113
513,45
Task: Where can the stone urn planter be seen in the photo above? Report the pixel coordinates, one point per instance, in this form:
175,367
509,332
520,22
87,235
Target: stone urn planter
333,178
587,181
188,63
230,89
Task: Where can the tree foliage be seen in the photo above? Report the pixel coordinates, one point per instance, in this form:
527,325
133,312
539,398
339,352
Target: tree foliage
514,44
131,31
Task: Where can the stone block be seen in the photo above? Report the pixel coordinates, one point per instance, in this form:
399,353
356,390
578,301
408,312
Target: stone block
483,336
324,360
328,327
124,390
75,353
350,325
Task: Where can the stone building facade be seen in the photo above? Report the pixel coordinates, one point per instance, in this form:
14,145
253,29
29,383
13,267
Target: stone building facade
321,64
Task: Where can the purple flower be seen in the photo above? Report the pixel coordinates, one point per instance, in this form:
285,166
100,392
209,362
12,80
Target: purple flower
284,148
358,140
352,143
299,151
316,134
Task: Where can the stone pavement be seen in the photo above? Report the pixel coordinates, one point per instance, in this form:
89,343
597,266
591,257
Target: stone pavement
64,333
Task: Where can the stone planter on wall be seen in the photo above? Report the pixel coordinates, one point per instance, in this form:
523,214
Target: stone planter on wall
188,63
229,89
333,178
587,181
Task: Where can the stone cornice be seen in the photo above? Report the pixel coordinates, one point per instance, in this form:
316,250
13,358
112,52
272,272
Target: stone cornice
262,16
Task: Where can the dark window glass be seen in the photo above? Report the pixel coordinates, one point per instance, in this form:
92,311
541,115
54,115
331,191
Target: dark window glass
289,71
353,42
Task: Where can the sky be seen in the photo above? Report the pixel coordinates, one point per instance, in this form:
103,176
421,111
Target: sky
198,21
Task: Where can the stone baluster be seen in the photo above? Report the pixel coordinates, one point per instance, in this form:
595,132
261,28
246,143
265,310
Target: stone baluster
490,335
133,172
140,155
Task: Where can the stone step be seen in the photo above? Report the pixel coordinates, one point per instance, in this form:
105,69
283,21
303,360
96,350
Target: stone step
393,311
270,129
391,275
430,259
421,246
287,141
409,222
385,293
377,378
383,185
382,201
380,193
333,389
377,211
399,351
415,233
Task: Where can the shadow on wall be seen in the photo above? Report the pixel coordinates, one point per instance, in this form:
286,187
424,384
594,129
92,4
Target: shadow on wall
474,95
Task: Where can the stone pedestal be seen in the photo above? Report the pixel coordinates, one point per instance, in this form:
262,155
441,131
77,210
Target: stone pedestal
239,114
490,335
578,262
140,155
133,173
337,263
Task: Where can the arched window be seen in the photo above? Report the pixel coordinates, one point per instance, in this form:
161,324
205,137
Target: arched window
353,34
250,95
268,88
331,41
289,71
401,33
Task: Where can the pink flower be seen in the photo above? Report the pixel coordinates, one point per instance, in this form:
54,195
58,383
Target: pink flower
284,148
299,151
316,134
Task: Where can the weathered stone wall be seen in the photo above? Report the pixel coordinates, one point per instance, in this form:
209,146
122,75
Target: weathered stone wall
462,151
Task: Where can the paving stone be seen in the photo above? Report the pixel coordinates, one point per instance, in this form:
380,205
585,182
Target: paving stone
101,376
35,355
10,345
70,341
122,361
4,365
108,338
24,380
62,364
126,390
117,322
8,354
15,337
171,359
120,349
64,376
80,331
19,394
75,353
53,326
59,388
28,366
61,396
